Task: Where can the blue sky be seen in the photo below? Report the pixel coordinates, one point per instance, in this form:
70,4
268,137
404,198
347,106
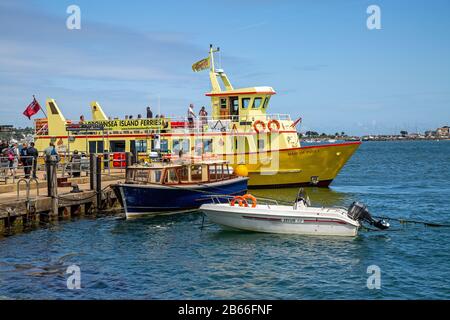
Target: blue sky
319,56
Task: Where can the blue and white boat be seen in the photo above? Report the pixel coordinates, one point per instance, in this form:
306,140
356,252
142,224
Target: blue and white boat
170,188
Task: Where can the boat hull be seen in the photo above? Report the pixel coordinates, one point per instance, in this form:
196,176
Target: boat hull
138,200
303,224
304,166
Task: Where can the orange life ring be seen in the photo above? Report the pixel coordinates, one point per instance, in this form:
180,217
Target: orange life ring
255,124
242,201
250,197
119,160
277,124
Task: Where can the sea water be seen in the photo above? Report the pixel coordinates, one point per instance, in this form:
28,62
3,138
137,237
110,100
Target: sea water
171,257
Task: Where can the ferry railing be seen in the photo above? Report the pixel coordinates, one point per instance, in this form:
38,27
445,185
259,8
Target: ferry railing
221,123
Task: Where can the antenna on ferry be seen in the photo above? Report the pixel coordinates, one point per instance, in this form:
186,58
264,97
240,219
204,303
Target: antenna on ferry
217,72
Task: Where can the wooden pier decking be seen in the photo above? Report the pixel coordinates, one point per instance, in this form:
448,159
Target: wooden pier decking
40,200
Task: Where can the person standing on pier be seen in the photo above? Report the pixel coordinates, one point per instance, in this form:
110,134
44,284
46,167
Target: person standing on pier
25,160
51,151
32,152
3,146
13,157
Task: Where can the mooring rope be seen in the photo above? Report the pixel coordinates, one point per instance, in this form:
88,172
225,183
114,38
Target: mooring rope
405,221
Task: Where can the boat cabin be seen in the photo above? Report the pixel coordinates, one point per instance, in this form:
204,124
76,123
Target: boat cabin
179,174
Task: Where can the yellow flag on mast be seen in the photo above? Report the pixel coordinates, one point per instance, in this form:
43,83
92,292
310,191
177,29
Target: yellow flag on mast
201,65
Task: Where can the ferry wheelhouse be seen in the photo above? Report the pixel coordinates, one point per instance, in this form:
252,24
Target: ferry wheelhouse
240,130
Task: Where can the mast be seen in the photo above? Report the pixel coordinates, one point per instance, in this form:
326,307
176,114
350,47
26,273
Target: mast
213,73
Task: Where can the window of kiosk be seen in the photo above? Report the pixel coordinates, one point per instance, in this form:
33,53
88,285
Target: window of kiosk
117,146
223,103
245,103
257,103
96,147
141,146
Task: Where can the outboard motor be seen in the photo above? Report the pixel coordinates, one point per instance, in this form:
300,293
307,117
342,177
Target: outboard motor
359,212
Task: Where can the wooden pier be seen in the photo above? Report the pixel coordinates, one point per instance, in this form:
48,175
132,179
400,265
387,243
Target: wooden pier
33,202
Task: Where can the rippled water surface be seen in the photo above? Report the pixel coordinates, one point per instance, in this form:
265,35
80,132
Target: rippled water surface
170,257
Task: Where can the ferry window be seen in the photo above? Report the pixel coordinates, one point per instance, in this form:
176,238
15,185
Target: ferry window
257,103
234,102
164,145
245,103
223,103
183,173
141,175
207,145
141,146
171,176
266,102
180,144
186,146
155,176
196,173
260,144
175,146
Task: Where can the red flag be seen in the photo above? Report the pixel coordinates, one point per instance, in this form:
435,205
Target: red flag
32,108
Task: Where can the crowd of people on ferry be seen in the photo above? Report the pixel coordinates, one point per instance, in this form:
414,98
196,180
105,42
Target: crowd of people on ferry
202,115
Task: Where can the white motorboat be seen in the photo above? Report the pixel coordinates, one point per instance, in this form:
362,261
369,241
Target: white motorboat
301,218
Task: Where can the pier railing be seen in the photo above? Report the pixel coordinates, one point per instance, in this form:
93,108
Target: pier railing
17,167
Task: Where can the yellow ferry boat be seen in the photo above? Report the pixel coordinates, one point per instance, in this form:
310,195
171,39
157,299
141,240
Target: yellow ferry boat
265,146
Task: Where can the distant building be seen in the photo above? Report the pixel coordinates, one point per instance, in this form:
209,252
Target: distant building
443,132
6,128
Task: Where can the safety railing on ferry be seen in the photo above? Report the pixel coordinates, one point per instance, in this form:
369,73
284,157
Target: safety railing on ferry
222,123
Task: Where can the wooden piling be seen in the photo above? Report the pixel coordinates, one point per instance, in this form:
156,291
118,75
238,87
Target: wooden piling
98,181
52,183
92,170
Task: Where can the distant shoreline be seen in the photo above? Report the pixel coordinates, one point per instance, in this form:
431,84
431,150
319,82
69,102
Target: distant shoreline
353,139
